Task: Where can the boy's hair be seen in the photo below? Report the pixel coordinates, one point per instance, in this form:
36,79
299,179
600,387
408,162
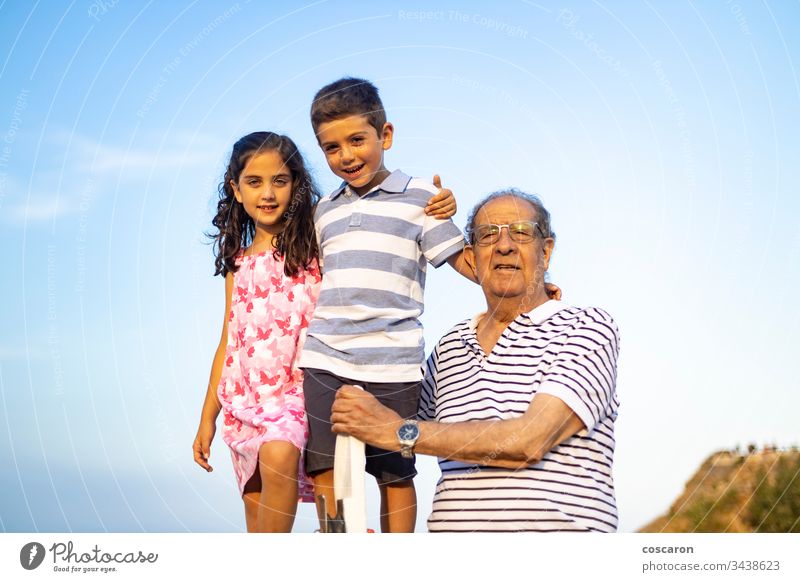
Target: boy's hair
296,243
345,97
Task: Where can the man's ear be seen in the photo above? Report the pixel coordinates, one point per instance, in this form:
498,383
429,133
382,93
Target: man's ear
236,192
387,134
547,249
469,259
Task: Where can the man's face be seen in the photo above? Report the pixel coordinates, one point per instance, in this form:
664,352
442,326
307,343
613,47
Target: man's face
354,150
507,268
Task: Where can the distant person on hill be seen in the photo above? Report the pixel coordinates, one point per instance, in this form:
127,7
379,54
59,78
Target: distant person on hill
519,402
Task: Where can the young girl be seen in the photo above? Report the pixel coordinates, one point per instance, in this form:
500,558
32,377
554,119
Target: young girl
266,249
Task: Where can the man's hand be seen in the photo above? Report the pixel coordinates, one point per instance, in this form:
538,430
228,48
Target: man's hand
359,414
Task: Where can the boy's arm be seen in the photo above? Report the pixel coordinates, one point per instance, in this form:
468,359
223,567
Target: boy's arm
462,267
443,204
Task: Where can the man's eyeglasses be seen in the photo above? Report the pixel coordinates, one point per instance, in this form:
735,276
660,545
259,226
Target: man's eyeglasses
523,231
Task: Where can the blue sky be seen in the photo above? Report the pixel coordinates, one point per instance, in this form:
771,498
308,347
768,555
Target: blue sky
660,135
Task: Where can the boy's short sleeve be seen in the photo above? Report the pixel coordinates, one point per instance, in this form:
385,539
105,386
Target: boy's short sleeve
440,240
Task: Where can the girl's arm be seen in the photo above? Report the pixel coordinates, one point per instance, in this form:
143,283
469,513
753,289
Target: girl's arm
211,405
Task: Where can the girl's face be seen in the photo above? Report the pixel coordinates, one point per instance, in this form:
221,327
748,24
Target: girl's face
265,191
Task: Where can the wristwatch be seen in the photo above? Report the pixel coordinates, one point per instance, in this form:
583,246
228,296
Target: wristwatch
407,434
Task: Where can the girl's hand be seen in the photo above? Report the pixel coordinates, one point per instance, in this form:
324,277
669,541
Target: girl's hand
443,204
202,444
553,291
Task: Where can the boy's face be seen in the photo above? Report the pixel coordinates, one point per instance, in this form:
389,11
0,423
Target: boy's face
354,150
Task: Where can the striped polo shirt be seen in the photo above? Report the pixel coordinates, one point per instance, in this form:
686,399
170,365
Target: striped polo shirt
555,349
373,251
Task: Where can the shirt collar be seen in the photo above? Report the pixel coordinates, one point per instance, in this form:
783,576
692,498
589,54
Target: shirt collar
469,334
537,315
545,311
395,182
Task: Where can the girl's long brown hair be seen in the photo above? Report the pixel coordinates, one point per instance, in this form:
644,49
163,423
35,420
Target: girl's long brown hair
297,242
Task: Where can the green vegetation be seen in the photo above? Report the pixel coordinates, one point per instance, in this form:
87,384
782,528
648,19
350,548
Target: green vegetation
732,492
775,506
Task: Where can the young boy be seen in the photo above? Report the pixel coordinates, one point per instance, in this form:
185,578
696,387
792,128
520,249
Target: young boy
374,241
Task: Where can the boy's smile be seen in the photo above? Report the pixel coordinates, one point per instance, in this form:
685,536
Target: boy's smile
354,150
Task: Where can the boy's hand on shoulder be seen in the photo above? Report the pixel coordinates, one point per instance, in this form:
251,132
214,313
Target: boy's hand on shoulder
553,291
443,204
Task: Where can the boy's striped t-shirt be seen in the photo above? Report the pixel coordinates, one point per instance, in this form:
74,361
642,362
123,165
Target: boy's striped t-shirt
374,250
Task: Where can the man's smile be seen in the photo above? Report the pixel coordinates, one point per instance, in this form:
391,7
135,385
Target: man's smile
506,267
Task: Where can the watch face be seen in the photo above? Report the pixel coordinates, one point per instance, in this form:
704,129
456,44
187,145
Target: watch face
408,432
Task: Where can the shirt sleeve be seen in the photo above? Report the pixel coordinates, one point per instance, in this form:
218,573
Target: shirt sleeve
440,239
427,396
584,373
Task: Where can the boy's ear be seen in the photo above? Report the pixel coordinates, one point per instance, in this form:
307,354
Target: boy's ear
387,134
236,192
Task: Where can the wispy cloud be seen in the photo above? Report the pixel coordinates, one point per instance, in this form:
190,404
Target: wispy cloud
36,210
70,163
8,353
179,150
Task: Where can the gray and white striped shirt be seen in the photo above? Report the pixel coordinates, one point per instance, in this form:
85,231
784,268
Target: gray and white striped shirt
373,252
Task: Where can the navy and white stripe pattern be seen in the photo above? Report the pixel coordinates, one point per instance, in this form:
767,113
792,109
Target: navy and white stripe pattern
564,351
374,249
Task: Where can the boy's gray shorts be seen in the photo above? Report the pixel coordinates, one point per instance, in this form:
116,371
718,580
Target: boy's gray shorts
320,387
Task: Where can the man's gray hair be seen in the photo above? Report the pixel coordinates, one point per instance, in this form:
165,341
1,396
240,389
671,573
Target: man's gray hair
542,215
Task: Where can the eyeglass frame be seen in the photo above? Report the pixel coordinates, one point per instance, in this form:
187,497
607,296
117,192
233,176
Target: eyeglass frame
508,226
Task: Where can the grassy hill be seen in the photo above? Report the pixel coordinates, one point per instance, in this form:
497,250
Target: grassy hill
732,492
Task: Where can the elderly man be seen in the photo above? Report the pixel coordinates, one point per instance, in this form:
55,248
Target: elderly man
519,402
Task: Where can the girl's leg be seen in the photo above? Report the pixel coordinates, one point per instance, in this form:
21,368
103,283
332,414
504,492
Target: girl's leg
278,462
251,497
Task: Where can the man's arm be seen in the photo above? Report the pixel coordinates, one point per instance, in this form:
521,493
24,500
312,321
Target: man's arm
513,443
577,391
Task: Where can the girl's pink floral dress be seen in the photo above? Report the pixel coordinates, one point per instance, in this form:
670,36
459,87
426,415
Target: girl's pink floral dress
261,388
